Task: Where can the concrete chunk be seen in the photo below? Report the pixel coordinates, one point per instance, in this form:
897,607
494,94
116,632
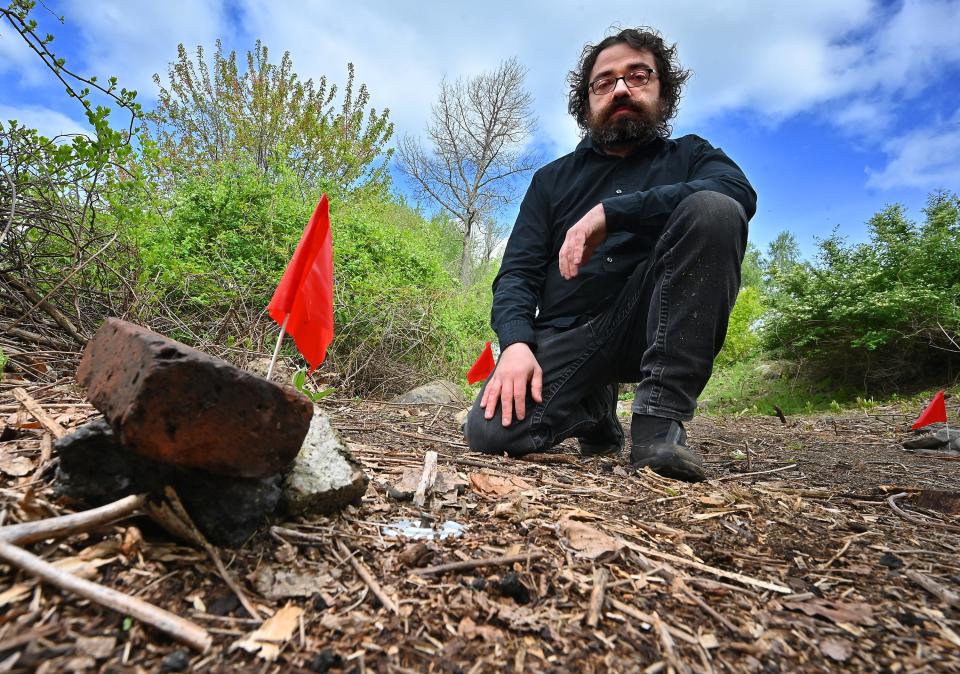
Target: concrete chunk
174,404
324,477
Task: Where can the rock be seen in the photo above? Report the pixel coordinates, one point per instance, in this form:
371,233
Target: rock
439,391
460,418
277,583
96,469
939,440
775,369
177,405
324,477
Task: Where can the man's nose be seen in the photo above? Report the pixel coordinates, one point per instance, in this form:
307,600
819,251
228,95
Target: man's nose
620,88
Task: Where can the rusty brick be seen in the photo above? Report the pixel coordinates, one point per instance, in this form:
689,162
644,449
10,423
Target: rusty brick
169,402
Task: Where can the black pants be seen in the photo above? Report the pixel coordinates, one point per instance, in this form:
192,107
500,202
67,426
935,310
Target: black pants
663,331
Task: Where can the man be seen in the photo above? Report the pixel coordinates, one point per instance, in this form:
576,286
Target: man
623,266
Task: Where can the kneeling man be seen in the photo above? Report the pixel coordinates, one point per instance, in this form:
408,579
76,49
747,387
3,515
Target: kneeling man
623,266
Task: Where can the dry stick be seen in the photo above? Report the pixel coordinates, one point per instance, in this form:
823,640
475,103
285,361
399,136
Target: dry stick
177,510
477,563
33,407
596,596
427,478
368,578
722,573
713,613
892,502
46,451
647,618
759,472
934,588
67,525
182,630
666,642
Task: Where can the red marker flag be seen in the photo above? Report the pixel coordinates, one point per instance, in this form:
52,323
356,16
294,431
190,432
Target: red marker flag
483,367
932,413
303,301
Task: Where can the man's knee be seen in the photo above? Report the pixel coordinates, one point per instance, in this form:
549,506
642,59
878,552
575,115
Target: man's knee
713,216
490,437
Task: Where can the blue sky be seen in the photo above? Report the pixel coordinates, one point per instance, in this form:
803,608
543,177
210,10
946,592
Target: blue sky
833,108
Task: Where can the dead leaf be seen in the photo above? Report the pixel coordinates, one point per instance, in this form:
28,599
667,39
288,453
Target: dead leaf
712,500
588,541
267,639
15,466
279,583
405,486
97,647
489,484
836,649
855,613
468,629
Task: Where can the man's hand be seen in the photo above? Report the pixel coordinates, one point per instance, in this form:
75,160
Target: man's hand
582,239
517,367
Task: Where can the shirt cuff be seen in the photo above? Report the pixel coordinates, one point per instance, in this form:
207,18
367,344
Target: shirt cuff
619,211
512,332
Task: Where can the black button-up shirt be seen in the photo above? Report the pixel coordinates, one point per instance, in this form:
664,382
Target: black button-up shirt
638,192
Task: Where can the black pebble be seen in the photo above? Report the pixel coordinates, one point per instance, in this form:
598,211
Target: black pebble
325,660
177,661
510,586
891,561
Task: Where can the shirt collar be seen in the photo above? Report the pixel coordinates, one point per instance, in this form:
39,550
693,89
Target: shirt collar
587,145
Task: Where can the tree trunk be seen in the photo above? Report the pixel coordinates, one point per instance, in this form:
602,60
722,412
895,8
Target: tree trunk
466,258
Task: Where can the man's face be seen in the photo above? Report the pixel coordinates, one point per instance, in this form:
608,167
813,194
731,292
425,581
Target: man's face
625,116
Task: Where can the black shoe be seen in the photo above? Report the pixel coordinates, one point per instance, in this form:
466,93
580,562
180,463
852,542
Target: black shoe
662,444
606,439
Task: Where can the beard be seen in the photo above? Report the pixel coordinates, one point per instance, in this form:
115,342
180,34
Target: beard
625,130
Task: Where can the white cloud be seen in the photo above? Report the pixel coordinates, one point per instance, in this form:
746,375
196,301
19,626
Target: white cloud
134,40
926,158
49,123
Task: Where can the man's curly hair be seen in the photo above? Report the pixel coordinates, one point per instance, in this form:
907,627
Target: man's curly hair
671,75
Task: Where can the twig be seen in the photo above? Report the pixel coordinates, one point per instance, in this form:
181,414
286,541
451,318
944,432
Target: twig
666,642
182,630
477,563
174,509
648,619
368,578
712,612
13,204
737,476
722,573
33,407
67,525
427,478
892,502
933,587
596,596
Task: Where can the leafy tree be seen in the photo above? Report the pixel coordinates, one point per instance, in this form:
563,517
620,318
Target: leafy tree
886,312
478,132
265,115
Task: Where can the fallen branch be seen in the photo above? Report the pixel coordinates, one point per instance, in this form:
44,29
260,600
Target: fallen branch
892,502
181,630
33,407
67,525
368,578
596,596
939,591
477,563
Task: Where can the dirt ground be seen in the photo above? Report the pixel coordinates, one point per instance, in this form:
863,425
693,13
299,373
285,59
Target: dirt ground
819,545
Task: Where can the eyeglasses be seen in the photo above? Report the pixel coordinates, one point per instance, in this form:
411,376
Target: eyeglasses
636,78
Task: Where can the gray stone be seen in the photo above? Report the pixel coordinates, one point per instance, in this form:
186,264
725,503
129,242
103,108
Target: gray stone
324,478
938,440
439,391
279,583
96,469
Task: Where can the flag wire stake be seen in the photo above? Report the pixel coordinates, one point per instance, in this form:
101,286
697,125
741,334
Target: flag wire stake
276,349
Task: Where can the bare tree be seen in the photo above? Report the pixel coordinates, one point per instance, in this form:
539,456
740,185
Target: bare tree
478,132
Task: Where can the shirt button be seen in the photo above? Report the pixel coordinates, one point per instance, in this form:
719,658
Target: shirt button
609,259
619,191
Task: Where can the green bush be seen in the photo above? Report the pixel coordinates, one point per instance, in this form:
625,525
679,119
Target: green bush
743,338
884,313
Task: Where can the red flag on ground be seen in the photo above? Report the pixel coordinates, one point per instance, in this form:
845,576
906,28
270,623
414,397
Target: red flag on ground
483,367
305,292
932,413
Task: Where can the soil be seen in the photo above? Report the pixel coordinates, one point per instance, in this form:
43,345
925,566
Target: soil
807,551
